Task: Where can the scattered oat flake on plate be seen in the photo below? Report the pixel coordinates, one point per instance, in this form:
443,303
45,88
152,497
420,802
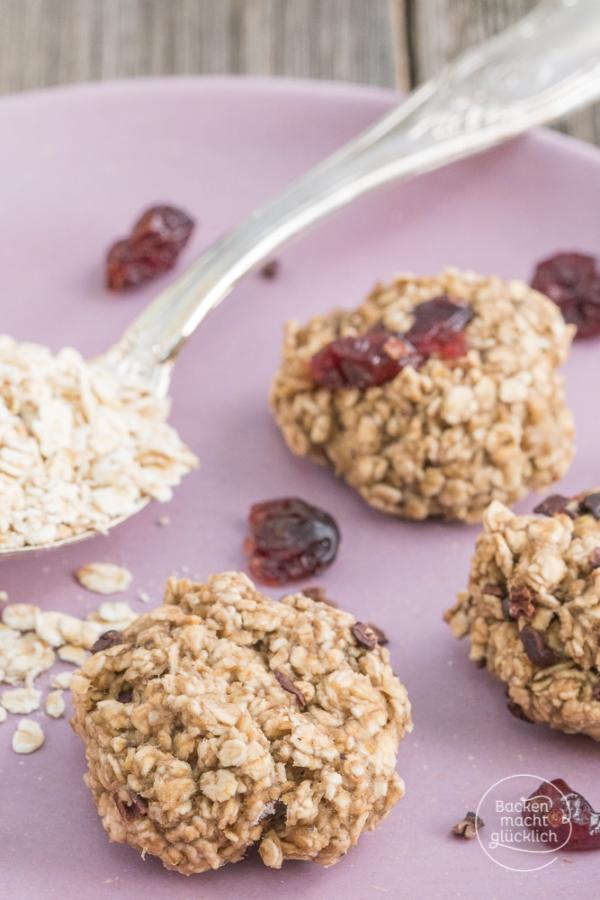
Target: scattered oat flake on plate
69,653
114,611
3,714
20,616
164,520
21,700
28,737
55,704
3,597
104,578
62,680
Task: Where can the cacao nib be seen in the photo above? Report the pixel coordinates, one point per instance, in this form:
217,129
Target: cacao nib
552,505
364,635
516,710
591,504
136,808
494,590
289,539
270,270
520,602
382,638
536,648
108,639
319,595
288,685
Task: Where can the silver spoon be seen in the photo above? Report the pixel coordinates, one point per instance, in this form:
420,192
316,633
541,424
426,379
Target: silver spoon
545,66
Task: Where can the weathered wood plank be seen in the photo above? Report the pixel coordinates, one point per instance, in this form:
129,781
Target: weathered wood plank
439,29
44,42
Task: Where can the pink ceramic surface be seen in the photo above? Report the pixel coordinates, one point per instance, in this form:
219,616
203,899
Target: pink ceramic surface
76,166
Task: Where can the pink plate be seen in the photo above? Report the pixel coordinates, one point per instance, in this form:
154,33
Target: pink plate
76,167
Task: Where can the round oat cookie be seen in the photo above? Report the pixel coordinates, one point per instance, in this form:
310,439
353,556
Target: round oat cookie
532,610
224,719
446,437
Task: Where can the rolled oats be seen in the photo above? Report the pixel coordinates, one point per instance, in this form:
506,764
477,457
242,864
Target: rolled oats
55,704
62,680
79,448
104,578
3,715
222,718
28,737
69,653
20,616
532,613
21,700
447,438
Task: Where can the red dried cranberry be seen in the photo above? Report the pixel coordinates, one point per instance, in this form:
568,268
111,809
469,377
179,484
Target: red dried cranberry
379,355
439,328
157,239
565,817
362,361
289,539
572,280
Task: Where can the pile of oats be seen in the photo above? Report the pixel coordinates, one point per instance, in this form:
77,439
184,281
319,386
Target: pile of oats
451,436
31,642
532,613
78,448
223,719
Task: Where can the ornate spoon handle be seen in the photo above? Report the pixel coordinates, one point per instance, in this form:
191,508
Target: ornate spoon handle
544,67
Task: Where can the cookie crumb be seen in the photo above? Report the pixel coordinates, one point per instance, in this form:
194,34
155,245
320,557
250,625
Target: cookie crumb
468,827
163,520
270,270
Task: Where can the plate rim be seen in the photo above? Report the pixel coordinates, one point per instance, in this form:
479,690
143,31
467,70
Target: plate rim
271,84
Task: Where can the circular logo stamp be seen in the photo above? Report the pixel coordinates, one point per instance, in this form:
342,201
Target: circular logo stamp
523,832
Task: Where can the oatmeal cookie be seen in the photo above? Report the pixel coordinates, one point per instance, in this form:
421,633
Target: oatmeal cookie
532,610
447,433
224,719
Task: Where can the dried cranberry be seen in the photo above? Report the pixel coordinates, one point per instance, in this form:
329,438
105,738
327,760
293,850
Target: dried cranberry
290,539
379,355
520,602
572,280
157,239
563,816
439,328
362,361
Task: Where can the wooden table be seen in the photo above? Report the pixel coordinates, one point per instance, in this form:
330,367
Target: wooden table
46,42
